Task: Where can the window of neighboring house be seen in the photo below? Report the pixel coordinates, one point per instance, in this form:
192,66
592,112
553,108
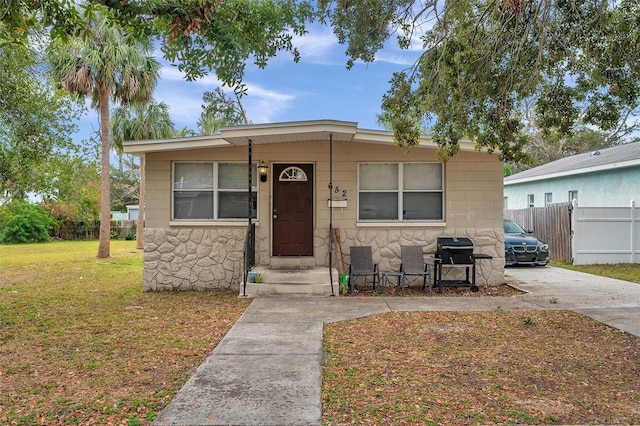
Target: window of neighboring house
530,200
506,203
212,191
400,192
573,195
548,198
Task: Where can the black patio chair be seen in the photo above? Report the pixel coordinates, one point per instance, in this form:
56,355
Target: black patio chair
413,264
362,265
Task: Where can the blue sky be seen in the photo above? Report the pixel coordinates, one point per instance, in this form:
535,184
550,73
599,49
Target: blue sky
317,87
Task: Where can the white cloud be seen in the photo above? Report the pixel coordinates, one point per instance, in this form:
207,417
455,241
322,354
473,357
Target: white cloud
171,73
317,46
185,105
396,58
262,104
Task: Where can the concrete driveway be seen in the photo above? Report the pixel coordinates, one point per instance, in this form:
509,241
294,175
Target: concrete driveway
613,302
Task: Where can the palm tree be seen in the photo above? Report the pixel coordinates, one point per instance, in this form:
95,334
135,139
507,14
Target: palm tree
136,123
106,65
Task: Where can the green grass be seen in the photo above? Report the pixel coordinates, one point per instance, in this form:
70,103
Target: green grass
80,343
621,271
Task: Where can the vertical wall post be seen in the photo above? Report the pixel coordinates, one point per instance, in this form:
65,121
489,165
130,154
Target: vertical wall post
634,230
331,212
249,237
574,228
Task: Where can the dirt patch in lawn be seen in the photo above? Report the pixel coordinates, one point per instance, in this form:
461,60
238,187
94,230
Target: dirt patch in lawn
480,368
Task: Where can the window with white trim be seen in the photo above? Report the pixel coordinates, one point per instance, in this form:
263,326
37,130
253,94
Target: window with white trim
531,200
548,198
212,191
400,192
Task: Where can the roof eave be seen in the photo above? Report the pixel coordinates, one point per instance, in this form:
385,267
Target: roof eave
296,131
177,144
584,170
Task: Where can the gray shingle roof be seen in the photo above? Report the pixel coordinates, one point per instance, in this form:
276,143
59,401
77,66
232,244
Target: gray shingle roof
608,158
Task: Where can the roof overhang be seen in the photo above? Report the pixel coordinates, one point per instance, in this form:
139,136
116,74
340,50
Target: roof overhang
584,170
286,132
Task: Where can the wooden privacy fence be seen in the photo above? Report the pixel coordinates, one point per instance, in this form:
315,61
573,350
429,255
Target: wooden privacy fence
552,224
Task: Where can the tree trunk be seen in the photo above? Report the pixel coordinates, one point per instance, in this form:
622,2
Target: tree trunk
105,195
140,229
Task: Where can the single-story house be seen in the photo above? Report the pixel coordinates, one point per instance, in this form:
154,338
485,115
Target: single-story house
307,177
605,178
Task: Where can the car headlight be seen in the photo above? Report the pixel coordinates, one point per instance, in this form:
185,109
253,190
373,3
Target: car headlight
544,247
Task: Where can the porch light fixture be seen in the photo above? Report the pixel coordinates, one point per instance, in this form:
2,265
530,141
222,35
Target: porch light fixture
262,171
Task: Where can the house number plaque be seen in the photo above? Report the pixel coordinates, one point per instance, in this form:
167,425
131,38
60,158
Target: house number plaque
337,190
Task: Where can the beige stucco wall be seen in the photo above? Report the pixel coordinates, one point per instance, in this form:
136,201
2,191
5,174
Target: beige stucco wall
175,256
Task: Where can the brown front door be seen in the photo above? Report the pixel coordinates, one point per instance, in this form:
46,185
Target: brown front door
292,214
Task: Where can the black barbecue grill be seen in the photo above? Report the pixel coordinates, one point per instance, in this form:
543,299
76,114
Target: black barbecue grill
456,252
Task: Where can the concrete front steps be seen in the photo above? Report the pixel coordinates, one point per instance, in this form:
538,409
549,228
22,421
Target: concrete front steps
286,280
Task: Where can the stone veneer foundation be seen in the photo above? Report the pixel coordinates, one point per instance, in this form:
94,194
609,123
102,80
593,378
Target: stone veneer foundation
211,258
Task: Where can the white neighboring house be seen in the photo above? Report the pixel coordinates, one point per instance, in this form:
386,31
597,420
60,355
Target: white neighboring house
605,178
132,212
119,216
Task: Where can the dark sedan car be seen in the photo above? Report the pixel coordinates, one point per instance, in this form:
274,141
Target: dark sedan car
522,248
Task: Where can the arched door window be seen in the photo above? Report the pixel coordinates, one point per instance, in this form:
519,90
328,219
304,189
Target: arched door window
293,174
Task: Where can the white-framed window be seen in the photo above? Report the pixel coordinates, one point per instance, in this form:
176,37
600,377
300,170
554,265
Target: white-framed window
573,195
548,198
400,192
530,200
505,203
212,191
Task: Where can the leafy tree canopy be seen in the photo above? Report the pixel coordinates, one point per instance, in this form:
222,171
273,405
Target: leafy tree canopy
200,36
484,61
73,192
19,19
36,119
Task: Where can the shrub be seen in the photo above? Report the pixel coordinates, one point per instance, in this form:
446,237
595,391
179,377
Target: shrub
22,222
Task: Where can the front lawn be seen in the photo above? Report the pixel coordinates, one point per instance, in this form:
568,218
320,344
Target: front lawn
461,368
80,343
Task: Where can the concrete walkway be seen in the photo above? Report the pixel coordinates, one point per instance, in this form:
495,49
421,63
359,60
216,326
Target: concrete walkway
268,369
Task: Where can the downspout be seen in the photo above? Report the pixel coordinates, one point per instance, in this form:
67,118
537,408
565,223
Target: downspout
248,236
331,212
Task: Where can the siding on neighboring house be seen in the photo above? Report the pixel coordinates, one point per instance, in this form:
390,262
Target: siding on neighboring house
611,188
605,178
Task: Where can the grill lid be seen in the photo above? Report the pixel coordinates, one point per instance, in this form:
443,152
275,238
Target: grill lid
454,243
